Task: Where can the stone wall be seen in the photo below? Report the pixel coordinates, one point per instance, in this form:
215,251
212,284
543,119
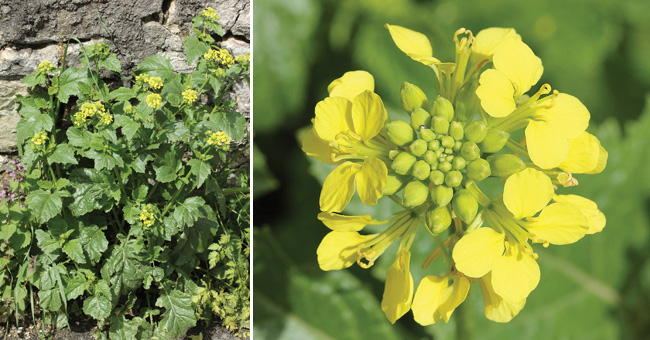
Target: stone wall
32,31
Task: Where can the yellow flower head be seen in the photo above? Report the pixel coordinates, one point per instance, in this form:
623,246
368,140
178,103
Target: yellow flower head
155,83
141,79
210,14
45,67
220,56
218,138
154,100
147,215
189,96
40,138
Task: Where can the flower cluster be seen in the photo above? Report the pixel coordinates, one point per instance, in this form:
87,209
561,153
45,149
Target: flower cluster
220,56
38,141
147,215
210,14
434,166
189,96
154,100
154,83
45,67
218,138
91,110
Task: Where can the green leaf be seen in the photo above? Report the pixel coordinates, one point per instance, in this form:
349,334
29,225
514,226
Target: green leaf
188,212
124,268
48,244
105,160
75,285
176,131
98,306
91,191
31,124
45,204
79,138
75,251
156,66
94,242
69,83
200,169
50,299
128,125
166,168
194,49
111,63
64,154
172,92
33,79
139,163
178,316
121,95
123,329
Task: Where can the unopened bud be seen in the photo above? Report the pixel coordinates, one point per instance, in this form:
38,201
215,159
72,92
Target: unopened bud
456,130
418,147
494,141
470,151
393,153
437,177
412,97
431,158
444,166
458,163
478,170
442,195
400,132
476,131
419,118
394,183
434,145
427,134
415,193
443,108
440,125
505,165
403,163
438,219
447,142
453,178
421,170
465,205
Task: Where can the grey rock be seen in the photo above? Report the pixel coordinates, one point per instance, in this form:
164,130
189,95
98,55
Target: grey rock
8,115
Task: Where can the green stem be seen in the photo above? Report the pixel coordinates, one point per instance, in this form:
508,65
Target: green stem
173,200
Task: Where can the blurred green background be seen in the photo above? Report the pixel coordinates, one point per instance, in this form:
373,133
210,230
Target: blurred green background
598,51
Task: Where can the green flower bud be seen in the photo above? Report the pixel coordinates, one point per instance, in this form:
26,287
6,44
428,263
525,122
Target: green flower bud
444,166
403,163
505,165
476,131
457,146
470,151
443,108
418,147
412,97
442,195
393,153
449,158
431,158
421,170
394,183
458,163
436,177
478,169
438,219
447,141
453,178
440,125
415,193
465,205
427,134
400,132
494,141
434,145
449,151
420,118
456,130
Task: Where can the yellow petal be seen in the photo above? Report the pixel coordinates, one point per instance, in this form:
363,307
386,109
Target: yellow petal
333,116
602,161
515,275
452,297
338,249
496,93
527,192
338,187
351,84
518,62
368,115
559,223
584,152
496,308
371,180
547,146
338,222
476,252
427,297
317,148
595,217
398,291
567,115
489,39
415,44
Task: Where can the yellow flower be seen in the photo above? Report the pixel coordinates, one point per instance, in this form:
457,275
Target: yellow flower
506,252
147,215
210,14
39,138
154,100
45,67
489,39
155,82
219,138
398,291
221,56
338,188
496,308
436,299
189,96
140,79
415,44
